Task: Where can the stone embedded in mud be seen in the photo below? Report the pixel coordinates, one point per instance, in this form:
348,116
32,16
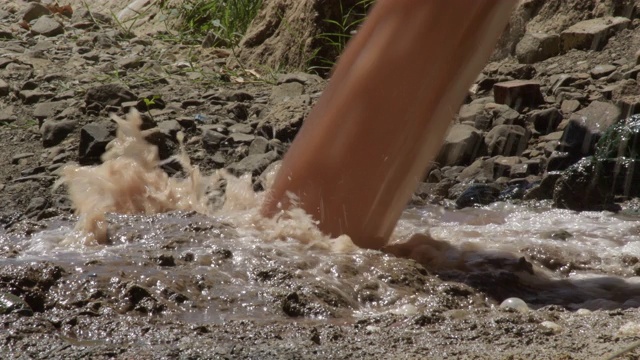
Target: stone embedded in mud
518,94
592,34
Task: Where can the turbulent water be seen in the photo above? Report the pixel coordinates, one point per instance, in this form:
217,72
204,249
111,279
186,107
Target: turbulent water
226,261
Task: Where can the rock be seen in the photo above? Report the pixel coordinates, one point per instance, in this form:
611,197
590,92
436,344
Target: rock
253,164
469,112
285,119
15,159
585,127
536,47
569,106
258,146
480,170
54,132
581,188
560,160
108,95
48,109
33,96
462,145
211,139
478,194
545,121
84,15
47,26
240,138
171,127
5,89
33,11
592,34
518,94
240,128
94,138
6,33
507,140
543,190
601,71
300,77
162,140
130,62
501,115
503,165
286,91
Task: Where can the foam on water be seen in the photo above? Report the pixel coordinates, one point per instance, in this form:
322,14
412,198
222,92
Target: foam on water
583,260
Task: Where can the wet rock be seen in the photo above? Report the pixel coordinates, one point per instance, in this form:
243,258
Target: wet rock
545,121
581,188
10,303
463,144
258,146
163,140
36,205
507,140
518,94
54,132
478,194
560,160
592,34
94,138
253,164
33,11
585,127
536,47
109,94
47,26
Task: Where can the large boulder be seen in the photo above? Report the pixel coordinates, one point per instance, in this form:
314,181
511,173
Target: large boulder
535,47
585,128
592,34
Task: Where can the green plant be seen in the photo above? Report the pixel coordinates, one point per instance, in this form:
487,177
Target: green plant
224,21
333,42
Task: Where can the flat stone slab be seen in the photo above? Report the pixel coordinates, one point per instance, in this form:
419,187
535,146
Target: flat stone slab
592,34
518,94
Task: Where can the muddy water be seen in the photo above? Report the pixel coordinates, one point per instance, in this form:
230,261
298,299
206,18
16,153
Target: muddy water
195,248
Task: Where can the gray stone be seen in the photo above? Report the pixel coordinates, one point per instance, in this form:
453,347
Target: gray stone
6,33
285,119
286,91
545,121
569,106
240,138
601,71
258,146
507,140
48,109
130,62
211,139
300,77
585,127
109,94
240,128
54,132
592,34
462,145
47,26
15,159
33,96
535,47
469,112
253,164
94,138
33,11
501,115
172,127
503,165
5,89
